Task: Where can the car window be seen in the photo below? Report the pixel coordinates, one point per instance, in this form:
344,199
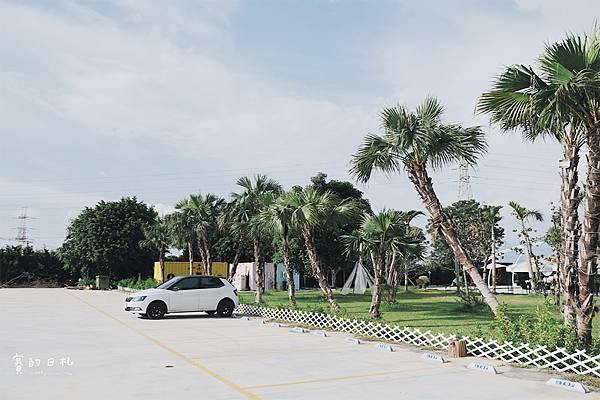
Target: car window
211,282
189,283
169,283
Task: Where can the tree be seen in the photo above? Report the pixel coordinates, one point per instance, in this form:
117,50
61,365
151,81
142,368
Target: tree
476,235
203,212
415,140
257,193
492,217
310,210
182,230
383,237
277,217
105,240
157,237
522,214
562,101
22,264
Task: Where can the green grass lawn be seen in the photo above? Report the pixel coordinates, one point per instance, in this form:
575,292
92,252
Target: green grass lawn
426,309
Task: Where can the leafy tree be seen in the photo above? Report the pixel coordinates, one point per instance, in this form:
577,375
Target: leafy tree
182,230
22,264
413,141
472,224
105,240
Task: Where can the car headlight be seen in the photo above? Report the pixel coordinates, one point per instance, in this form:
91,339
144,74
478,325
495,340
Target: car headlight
138,298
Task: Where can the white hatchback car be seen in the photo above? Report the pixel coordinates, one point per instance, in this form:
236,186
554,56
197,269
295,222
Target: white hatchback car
185,294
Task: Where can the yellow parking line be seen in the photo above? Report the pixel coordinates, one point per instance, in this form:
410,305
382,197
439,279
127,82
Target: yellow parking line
351,377
273,352
203,368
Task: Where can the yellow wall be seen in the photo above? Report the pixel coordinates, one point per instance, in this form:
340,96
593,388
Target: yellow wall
177,268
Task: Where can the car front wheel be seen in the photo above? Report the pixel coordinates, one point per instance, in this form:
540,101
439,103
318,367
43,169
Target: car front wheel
225,308
156,310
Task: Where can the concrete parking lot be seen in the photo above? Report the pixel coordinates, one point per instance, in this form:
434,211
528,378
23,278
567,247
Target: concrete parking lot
64,344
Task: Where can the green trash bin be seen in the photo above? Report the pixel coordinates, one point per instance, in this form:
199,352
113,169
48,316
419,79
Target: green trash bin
101,282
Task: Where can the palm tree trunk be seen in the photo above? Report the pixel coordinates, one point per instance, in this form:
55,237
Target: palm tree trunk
589,237
289,272
569,226
260,271
378,267
202,255
236,259
161,260
532,279
208,255
419,177
191,256
317,271
493,260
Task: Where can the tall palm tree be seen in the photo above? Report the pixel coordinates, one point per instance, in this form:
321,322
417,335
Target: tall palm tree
414,141
256,194
204,212
492,215
312,209
562,101
182,230
157,237
523,215
277,217
383,236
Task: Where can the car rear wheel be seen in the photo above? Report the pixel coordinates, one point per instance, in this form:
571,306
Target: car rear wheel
225,308
156,310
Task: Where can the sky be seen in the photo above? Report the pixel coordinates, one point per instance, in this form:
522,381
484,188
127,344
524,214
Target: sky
101,100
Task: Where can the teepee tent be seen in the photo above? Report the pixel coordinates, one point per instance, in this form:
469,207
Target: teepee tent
361,278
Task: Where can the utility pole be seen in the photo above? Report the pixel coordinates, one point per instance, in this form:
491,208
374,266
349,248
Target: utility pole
22,229
464,187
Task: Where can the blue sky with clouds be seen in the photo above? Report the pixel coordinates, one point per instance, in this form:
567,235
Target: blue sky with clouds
160,99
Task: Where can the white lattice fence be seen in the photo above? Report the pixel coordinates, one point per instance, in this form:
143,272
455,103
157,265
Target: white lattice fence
558,359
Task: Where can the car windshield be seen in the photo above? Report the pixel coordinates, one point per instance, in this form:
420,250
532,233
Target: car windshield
170,283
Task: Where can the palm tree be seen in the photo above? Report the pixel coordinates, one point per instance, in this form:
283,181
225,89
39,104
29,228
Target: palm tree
256,194
522,214
383,236
204,212
277,218
182,230
312,209
492,215
562,101
415,140
157,237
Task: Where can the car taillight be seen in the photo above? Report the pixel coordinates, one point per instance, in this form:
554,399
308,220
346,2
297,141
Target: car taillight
235,291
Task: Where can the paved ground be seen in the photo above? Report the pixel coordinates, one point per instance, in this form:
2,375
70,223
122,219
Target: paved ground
81,344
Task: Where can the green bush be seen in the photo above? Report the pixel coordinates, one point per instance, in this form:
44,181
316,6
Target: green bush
128,282
86,281
543,329
145,284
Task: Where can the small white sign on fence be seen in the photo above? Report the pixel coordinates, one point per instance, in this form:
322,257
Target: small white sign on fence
352,340
320,333
384,347
574,386
483,368
277,324
299,330
433,357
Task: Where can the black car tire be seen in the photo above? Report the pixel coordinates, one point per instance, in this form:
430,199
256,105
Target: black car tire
225,308
156,310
